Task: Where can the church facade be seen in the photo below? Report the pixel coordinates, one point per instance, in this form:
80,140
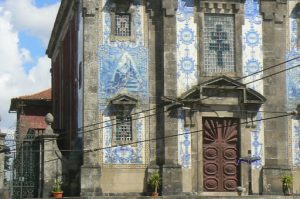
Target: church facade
186,88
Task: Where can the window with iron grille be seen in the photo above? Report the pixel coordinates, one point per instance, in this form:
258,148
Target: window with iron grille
124,128
219,43
122,24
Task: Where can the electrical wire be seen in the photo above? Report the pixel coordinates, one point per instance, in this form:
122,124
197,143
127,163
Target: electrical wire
80,129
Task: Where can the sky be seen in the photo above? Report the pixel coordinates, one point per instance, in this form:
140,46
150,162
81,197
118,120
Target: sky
25,29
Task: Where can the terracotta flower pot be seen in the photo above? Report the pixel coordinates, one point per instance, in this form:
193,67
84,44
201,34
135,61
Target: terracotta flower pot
155,194
58,194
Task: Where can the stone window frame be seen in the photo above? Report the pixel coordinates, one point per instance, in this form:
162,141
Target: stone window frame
124,105
131,11
237,11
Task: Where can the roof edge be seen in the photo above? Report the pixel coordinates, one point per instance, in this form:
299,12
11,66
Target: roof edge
59,22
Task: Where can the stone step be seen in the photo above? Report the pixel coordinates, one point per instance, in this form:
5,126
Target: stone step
187,197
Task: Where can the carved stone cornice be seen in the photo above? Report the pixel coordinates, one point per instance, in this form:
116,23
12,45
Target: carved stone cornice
170,6
220,7
151,6
275,10
90,8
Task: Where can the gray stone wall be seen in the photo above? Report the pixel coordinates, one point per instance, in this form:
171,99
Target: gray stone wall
171,171
274,44
90,168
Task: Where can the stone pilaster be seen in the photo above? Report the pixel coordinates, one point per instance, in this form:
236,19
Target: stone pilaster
274,41
155,80
91,168
171,172
50,159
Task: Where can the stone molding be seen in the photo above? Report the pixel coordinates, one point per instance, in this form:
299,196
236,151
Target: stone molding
274,11
170,6
219,7
90,8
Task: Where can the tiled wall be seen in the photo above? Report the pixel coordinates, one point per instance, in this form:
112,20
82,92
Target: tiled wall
293,79
187,70
123,70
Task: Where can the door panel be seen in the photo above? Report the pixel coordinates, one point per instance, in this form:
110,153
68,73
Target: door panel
220,153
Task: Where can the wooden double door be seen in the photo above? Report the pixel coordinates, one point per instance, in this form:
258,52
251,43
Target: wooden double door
220,153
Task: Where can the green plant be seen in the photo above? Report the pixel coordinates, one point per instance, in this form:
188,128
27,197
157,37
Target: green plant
57,185
287,180
155,181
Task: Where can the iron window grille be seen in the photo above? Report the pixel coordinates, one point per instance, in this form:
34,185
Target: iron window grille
122,24
124,128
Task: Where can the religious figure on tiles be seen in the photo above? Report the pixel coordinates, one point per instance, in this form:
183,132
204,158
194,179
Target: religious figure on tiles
126,75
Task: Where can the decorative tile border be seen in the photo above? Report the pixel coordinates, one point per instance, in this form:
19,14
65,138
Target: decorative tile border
184,143
293,86
293,76
253,62
296,142
187,71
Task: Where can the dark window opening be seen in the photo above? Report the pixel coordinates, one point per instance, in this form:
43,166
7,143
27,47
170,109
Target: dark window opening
124,128
122,24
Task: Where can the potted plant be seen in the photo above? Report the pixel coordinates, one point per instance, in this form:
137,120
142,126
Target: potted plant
155,182
57,191
287,182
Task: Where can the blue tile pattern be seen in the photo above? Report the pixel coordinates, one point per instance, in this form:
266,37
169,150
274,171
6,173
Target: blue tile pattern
187,71
252,12
296,141
123,69
184,143
293,75
253,62
293,87
124,154
256,141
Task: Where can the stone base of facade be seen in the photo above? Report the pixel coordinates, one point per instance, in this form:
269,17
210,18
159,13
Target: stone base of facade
188,197
171,180
271,180
5,193
90,187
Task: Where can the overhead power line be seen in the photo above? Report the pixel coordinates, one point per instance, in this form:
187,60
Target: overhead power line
80,129
164,137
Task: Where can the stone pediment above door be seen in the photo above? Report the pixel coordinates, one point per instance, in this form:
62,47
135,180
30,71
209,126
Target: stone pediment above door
222,91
